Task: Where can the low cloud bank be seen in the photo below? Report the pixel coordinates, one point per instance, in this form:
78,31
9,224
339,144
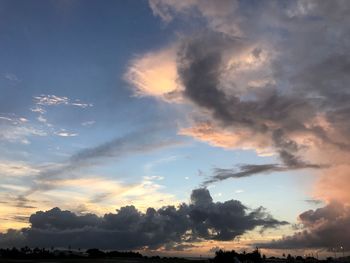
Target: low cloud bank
326,227
128,228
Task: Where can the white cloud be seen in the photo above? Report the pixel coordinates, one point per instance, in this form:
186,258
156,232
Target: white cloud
64,133
42,102
38,109
153,178
53,100
5,118
41,118
18,130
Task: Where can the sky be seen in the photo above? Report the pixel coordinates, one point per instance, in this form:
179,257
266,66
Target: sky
175,127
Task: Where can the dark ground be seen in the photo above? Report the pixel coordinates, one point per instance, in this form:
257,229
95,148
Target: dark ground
92,260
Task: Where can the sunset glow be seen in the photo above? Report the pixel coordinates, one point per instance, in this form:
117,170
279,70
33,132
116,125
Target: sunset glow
175,127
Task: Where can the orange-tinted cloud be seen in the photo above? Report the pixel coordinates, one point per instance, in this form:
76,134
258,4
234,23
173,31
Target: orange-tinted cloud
155,74
236,139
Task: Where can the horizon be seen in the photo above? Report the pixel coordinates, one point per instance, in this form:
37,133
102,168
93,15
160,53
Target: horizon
175,127
78,253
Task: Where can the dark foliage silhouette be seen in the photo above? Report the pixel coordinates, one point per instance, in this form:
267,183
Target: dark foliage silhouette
232,256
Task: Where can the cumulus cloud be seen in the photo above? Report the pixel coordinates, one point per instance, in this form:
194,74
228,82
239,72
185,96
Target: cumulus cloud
326,227
168,227
81,193
284,91
159,65
273,115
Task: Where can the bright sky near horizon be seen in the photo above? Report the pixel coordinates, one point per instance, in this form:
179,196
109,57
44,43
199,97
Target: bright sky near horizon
150,104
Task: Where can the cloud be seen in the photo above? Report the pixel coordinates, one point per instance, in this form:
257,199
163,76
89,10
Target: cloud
313,201
237,139
220,14
155,74
333,184
132,143
246,170
78,194
326,227
42,102
12,168
53,100
200,68
64,133
88,123
18,129
277,73
11,77
250,74
129,228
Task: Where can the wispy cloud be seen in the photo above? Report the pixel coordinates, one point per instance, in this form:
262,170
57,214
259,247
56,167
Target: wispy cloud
53,100
43,102
13,78
246,170
88,123
16,168
64,133
133,143
18,129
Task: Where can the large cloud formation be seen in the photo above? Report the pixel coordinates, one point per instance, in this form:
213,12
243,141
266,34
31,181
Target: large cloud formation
271,76
129,228
327,227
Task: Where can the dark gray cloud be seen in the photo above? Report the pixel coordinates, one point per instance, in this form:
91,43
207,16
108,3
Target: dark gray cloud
326,227
246,170
200,69
304,107
273,111
128,228
22,202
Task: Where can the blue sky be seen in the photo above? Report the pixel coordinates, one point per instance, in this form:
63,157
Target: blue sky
77,75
